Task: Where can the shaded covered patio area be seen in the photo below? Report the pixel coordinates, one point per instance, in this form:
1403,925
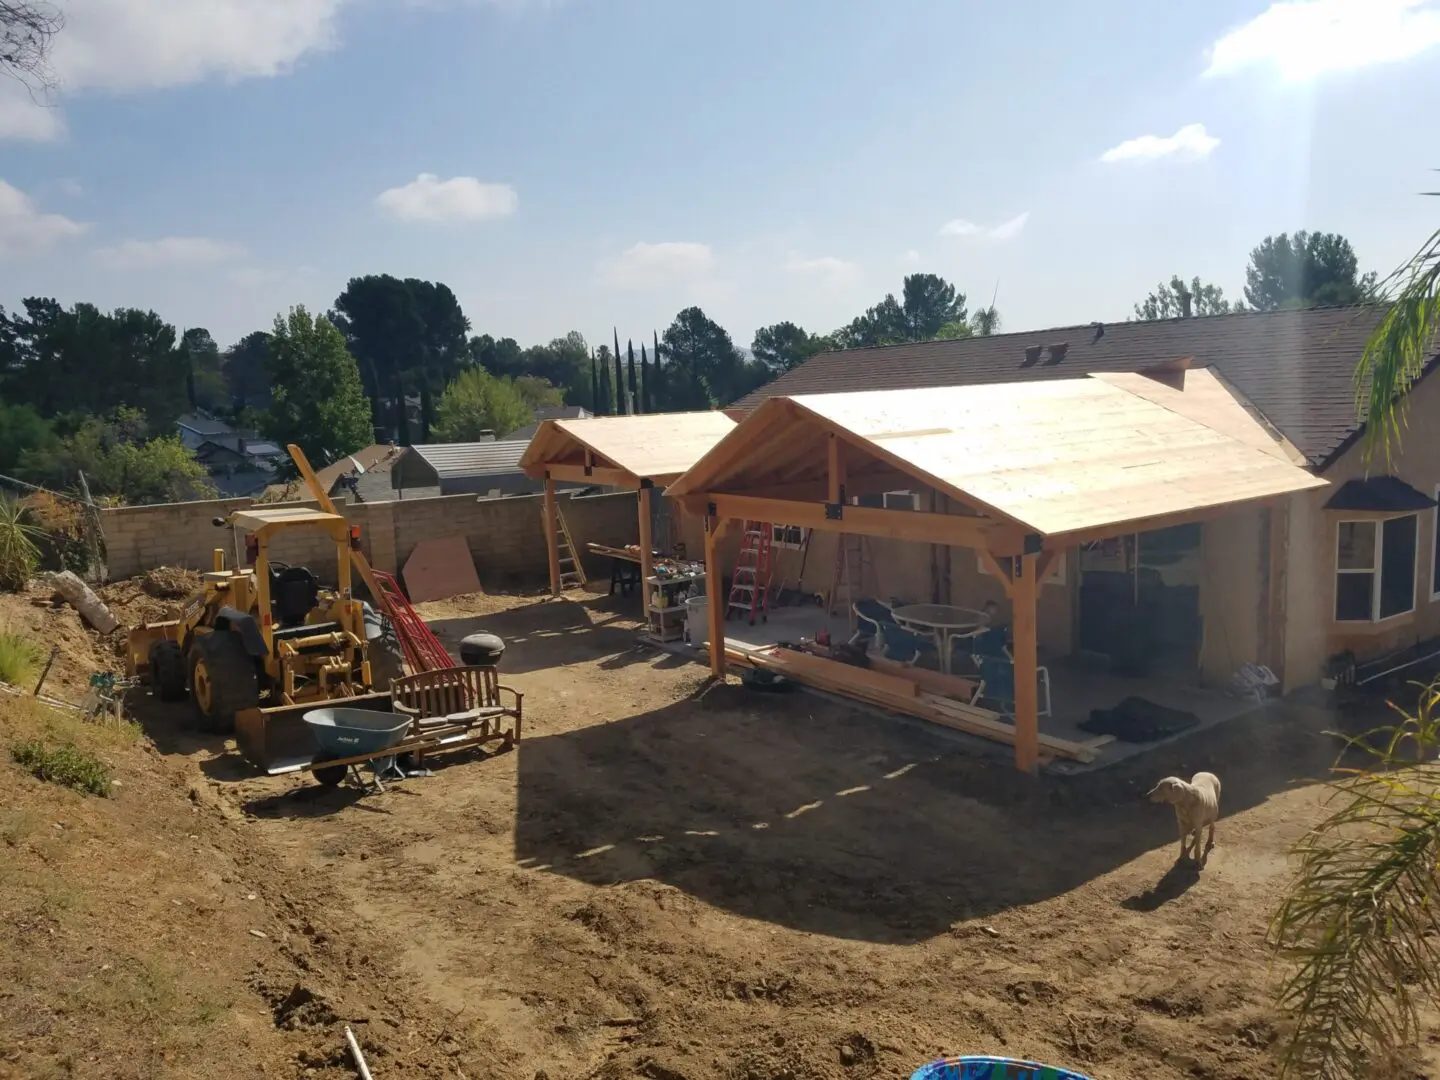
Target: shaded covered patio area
1020,474
630,453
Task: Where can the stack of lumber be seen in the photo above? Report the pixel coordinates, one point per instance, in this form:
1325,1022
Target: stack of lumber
928,695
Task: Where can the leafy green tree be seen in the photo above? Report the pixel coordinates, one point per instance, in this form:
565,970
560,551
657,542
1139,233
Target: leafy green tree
537,393
785,346
244,368
605,362
21,429
1305,270
985,322
564,363
1167,301
929,304
90,361
204,375
502,357
702,367
954,330
120,460
477,402
319,399
408,337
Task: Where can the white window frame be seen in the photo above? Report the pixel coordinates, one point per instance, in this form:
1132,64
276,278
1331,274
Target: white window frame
790,537
1435,548
1376,571
893,500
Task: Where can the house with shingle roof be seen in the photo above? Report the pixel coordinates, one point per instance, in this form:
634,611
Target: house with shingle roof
1360,558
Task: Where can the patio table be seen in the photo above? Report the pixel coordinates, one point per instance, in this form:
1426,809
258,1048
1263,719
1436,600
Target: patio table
943,622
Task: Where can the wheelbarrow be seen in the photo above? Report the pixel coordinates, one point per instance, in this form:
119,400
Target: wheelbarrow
351,737
991,1068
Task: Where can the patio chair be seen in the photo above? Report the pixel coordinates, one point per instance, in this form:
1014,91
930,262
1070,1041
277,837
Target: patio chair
870,616
997,683
902,645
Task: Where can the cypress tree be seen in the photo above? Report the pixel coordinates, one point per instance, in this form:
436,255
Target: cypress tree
645,403
620,409
634,387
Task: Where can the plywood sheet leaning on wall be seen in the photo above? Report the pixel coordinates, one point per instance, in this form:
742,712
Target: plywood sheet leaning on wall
438,569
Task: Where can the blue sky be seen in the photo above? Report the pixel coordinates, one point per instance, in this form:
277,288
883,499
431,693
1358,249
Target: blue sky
578,164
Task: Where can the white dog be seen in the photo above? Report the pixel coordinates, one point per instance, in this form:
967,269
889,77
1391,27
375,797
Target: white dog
1197,804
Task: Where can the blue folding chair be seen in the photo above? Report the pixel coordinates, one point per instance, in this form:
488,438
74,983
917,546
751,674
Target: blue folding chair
992,1068
997,683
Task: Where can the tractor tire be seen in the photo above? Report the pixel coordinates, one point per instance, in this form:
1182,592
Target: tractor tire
223,680
168,673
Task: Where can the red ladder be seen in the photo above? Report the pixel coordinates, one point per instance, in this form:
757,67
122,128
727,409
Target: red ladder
750,584
423,651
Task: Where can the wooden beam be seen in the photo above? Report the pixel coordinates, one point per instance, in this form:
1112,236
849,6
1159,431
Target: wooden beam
1060,541
970,532
1024,593
1278,535
714,590
552,541
997,570
817,490
835,460
601,475
647,544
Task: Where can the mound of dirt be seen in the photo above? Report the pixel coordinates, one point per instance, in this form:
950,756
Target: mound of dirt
169,582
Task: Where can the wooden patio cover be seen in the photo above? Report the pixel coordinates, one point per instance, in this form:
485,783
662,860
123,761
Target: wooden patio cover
1025,470
634,453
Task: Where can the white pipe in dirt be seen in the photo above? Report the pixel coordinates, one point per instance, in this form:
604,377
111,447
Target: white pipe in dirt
357,1055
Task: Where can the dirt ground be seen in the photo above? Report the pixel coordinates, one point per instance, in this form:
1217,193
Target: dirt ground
667,880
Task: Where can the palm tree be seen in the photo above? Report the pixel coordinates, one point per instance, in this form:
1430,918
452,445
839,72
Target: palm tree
1360,923
1396,354
986,321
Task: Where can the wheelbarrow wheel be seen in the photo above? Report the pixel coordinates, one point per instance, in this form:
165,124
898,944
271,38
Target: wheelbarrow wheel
328,775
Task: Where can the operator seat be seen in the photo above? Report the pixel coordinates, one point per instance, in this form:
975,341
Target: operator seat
294,592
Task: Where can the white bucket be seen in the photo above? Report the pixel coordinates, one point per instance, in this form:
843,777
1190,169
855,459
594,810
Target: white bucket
697,620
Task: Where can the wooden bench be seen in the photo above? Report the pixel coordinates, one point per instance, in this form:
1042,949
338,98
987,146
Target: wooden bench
459,706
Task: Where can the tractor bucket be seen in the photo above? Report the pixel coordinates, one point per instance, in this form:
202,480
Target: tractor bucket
137,647
276,737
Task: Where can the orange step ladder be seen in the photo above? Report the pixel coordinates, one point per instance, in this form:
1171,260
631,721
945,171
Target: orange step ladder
750,584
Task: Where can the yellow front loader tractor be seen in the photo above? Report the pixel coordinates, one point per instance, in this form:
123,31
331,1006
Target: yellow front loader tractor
266,635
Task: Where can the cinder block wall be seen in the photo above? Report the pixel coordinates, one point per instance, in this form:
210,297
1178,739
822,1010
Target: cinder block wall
505,536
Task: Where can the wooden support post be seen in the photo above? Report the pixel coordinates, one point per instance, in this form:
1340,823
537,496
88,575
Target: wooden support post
1024,591
715,591
552,528
647,543
836,456
1277,540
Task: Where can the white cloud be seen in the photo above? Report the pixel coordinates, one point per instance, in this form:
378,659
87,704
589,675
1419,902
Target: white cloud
23,228
1006,230
1304,39
23,116
167,251
647,265
149,44
1191,143
459,199
69,186
827,268
911,257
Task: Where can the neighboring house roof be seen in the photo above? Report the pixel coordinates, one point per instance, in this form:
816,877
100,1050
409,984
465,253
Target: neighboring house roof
261,448
1058,457
1379,494
204,425
548,412
367,459
449,460
1296,367
211,453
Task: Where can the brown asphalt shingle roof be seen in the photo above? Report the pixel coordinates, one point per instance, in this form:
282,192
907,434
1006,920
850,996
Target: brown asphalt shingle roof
1297,367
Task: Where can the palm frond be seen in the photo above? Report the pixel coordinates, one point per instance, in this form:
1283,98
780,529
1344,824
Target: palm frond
1398,350
1361,921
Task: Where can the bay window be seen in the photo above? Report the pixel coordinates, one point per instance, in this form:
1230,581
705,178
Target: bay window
1375,568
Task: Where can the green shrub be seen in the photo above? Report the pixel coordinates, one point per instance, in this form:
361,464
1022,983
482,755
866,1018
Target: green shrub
18,554
20,658
66,765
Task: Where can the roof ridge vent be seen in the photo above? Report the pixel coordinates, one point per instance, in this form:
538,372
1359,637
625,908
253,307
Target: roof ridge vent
1057,352
1032,355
